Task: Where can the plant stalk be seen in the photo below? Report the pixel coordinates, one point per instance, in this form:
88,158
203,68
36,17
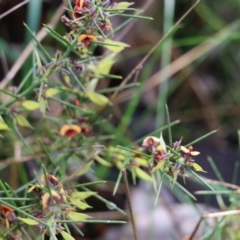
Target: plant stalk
130,204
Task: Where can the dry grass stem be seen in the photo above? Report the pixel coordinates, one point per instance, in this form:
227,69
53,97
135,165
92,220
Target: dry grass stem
13,9
224,184
27,51
130,204
212,215
140,64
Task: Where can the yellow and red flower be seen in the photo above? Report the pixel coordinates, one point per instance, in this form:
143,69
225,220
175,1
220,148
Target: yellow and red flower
46,199
70,131
79,3
8,214
151,142
36,189
78,10
77,14
53,182
87,39
189,151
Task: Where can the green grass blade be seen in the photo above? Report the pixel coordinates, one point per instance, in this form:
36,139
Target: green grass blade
200,179
34,12
168,21
169,127
215,169
206,192
201,138
38,43
117,183
47,153
109,204
159,190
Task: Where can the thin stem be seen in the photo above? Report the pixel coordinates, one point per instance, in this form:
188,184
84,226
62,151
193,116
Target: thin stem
91,221
169,127
108,203
130,204
13,9
25,233
196,228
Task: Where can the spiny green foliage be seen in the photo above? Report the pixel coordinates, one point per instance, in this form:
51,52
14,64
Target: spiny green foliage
70,140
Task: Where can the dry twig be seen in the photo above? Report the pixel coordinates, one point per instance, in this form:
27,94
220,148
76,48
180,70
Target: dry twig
27,51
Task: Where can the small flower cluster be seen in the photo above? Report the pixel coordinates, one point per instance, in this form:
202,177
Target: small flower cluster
169,159
158,151
90,21
165,158
57,204
52,197
188,153
49,198
53,205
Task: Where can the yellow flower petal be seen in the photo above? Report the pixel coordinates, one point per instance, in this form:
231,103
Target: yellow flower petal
79,3
69,130
87,38
194,153
185,150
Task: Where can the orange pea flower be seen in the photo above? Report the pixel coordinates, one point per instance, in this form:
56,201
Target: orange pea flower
78,10
86,38
70,130
53,182
46,199
79,3
8,214
36,189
